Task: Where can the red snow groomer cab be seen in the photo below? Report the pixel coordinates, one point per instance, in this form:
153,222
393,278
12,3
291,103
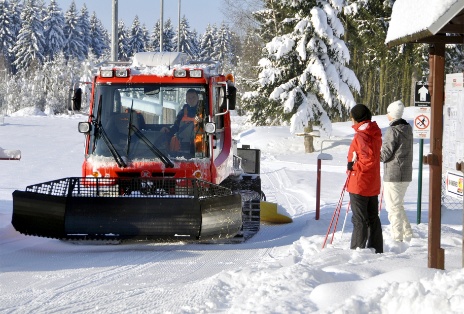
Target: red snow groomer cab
160,162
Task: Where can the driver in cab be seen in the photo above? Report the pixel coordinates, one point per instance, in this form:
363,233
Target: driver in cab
182,130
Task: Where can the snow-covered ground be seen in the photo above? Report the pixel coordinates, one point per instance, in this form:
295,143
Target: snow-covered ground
283,269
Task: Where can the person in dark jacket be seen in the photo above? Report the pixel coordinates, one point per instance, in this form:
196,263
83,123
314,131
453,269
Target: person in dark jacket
363,182
397,155
188,113
182,131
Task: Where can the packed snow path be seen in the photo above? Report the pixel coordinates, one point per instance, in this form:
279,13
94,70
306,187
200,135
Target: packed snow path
281,270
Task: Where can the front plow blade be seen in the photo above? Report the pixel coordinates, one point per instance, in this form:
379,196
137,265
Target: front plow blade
114,208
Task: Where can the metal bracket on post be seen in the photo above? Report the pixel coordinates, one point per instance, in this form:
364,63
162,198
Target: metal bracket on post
320,157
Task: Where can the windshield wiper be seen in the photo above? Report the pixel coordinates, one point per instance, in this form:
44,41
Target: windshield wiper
100,132
114,152
165,159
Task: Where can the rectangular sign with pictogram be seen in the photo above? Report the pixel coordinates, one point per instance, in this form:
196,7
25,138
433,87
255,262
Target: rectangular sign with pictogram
422,95
422,122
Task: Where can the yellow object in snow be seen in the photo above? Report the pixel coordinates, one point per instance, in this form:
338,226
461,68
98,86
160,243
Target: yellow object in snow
269,214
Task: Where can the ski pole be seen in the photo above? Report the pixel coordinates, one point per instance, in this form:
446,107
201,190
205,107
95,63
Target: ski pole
344,221
337,209
336,212
338,215
354,159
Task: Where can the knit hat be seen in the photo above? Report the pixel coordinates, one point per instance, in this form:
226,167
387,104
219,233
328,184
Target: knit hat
396,109
360,113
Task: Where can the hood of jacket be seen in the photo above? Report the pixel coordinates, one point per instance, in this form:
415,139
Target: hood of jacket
402,127
369,128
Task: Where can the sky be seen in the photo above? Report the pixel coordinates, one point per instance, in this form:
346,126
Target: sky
282,269
199,13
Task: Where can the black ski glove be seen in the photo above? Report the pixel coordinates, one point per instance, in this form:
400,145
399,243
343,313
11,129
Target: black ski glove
350,165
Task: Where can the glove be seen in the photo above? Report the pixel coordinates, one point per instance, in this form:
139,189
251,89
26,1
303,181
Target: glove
350,165
175,144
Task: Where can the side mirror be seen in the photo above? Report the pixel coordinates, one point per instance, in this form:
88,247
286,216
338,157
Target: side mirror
228,95
84,127
76,100
232,95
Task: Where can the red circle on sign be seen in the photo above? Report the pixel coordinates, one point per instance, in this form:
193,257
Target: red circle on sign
422,122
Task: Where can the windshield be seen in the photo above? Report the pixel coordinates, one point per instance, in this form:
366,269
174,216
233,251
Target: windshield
140,121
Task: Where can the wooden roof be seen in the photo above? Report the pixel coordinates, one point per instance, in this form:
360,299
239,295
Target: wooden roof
448,29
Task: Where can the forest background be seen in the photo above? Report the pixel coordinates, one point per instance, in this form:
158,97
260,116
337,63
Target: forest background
309,59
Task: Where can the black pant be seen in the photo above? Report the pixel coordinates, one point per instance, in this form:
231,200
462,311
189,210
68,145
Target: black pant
366,222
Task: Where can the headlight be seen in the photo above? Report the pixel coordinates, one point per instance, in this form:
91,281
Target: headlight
106,73
122,73
196,73
180,73
83,127
210,127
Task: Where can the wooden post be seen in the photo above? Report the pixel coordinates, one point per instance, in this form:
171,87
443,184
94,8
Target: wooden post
460,167
308,139
436,255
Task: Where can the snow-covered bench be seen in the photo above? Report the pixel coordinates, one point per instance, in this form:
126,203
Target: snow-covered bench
10,154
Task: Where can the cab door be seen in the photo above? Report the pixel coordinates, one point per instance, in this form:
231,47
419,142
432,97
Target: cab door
222,156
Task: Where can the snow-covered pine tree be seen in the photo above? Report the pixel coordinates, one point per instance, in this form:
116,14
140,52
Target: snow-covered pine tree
123,53
73,47
154,44
13,99
60,75
245,71
188,42
196,43
386,74
53,30
99,43
222,48
303,77
168,37
146,37
7,34
84,27
135,41
30,43
207,43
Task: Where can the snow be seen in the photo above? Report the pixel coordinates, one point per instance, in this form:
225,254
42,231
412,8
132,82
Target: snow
413,16
282,269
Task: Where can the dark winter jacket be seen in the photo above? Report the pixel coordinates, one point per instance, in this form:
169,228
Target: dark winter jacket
397,152
365,177
186,112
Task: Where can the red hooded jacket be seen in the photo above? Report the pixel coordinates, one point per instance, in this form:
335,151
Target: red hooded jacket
365,179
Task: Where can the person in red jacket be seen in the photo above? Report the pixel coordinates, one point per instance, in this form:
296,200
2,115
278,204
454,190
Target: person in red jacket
364,180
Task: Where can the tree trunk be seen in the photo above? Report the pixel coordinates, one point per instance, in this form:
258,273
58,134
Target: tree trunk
308,139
